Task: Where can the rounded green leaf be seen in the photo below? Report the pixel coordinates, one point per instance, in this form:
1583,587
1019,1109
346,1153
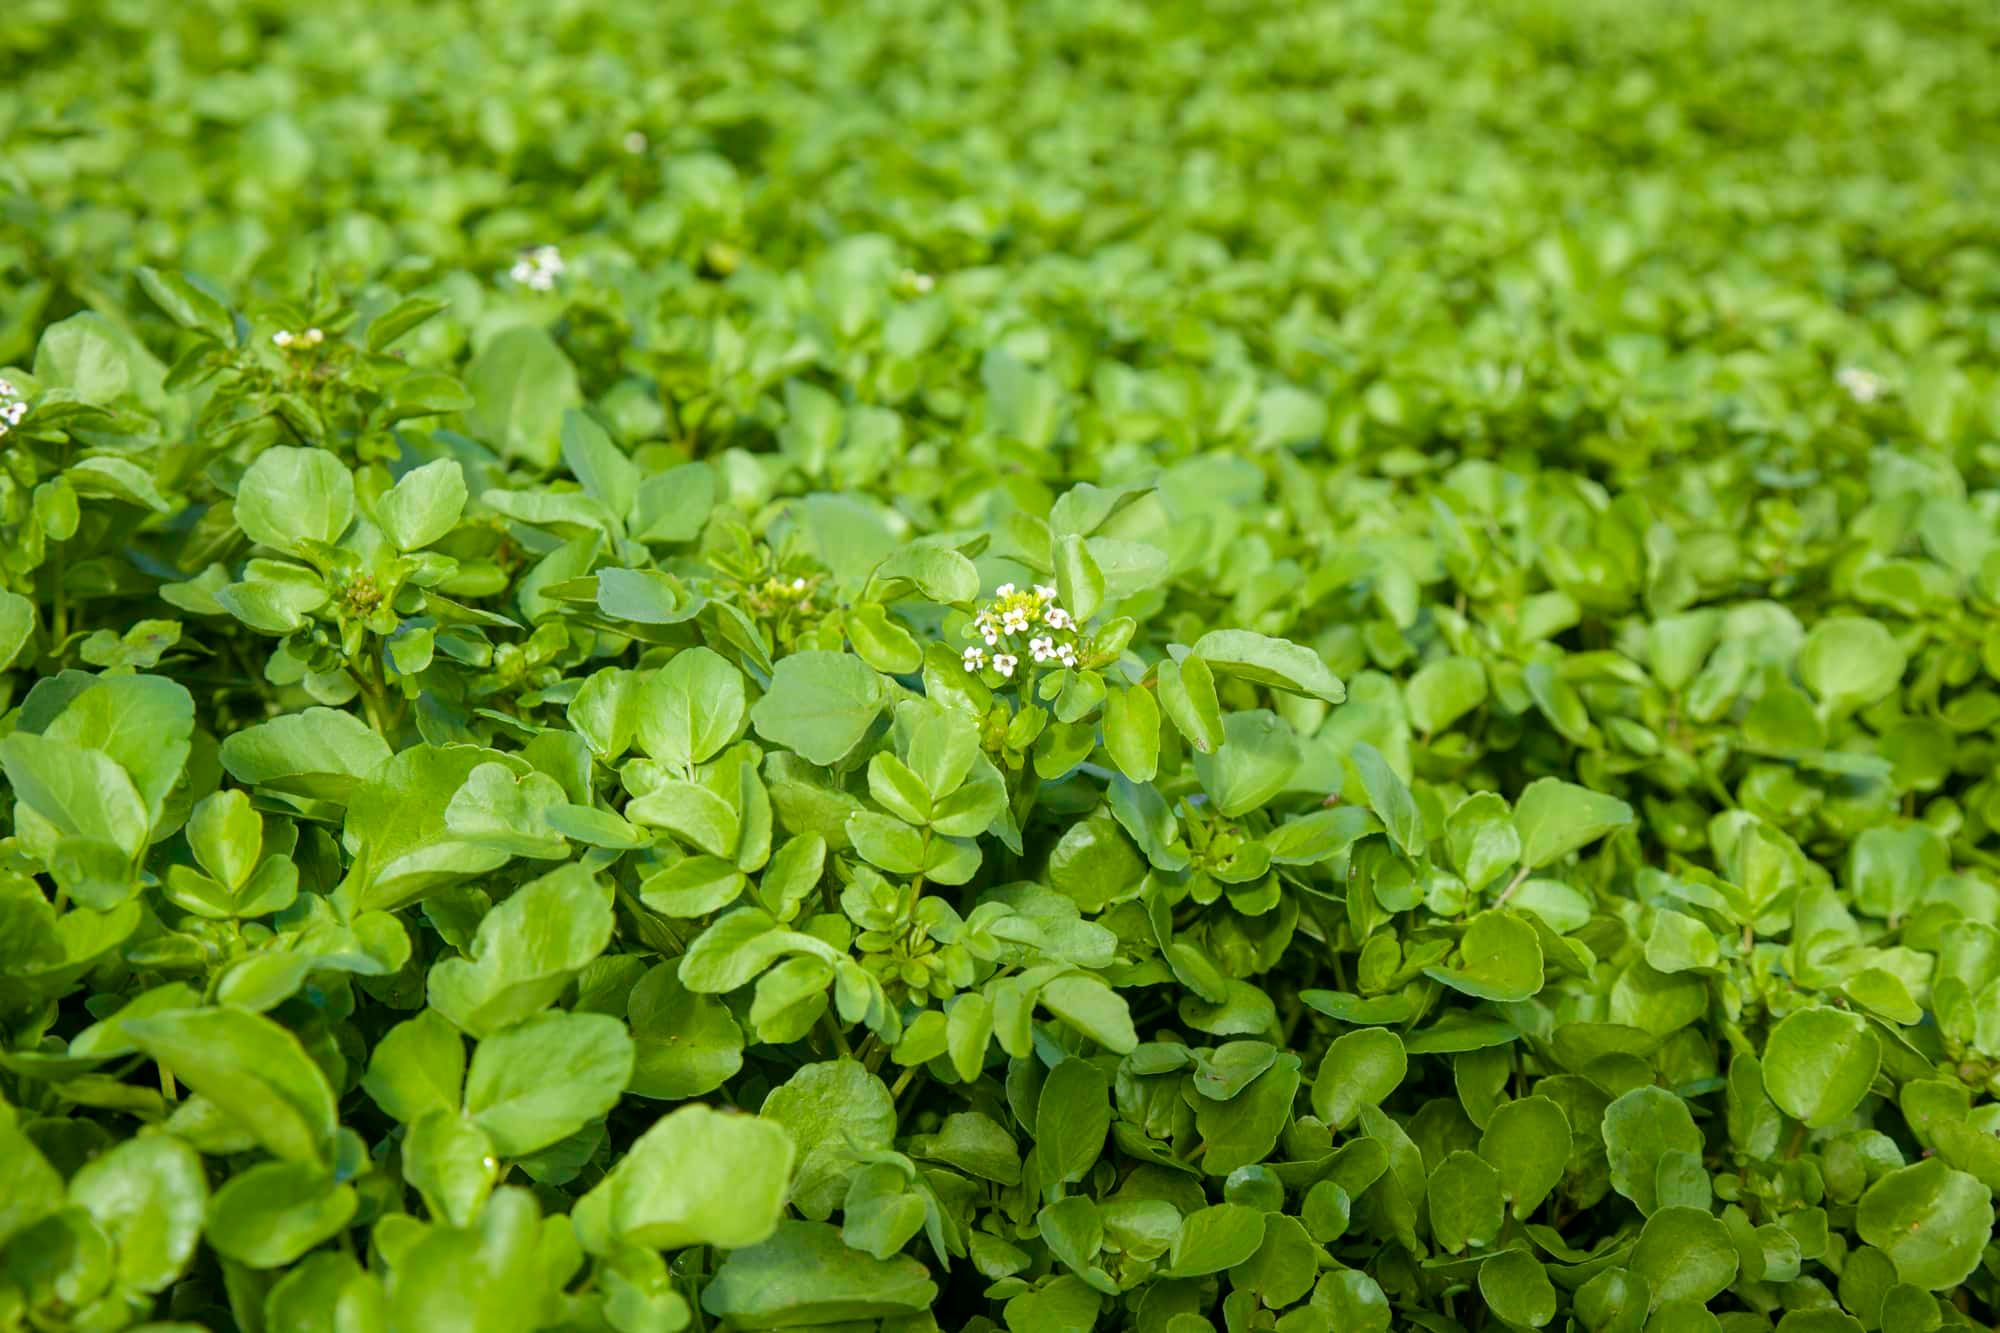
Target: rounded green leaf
1685,1254
697,1177
1500,958
820,705
1528,1143
1849,661
1818,1064
269,1215
1931,1220
543,1079
1214,1238
1360,1068
147,1197
1516,1288
289,497
1640,1128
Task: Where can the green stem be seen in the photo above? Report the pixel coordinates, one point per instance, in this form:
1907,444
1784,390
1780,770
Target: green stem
835,1035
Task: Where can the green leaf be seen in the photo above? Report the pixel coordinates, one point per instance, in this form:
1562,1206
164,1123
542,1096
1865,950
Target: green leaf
521,385
690,709
542,1079
1516,1288
608,476
1528,1142
832,1110
406,315
1466,1207
417,1067
1187,697
1684,1254
423,505
1072,1116
1442,692
253,1070
526,951
1079,582
1243,1129
1214,1238
1255,762
687,1044
696,1177
1819,1063
188,305
1361,1068
1641,1127
1500,958
269,1215
820,705
146,1197
290,497
322,753
1931,1220
1092,1008
805,1275
1390,799
1555,818
1849,661
1262,660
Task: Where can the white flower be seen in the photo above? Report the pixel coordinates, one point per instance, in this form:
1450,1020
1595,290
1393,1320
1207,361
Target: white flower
635,142
975,658
1014,622
538,268
1045,592
14,411
1004,590
798,585
1057,618
7,389
1863,386
313,338
1066,655
1042,647
283,337
1004,663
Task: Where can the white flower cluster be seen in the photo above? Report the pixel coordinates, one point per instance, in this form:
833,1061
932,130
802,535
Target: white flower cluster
287,340
1863,386
12,406
1015,612
538,268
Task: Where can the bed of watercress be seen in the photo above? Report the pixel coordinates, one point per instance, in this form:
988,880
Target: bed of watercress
1311,667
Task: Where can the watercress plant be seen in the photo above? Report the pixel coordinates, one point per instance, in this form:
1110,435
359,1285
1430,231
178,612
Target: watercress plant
1312,668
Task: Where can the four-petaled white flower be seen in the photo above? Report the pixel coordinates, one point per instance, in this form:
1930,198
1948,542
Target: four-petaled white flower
1863,386
1045,592
1042,648
1057,618
283,337
1014,621
538,268
1004,590
975,658
1004,663
12,406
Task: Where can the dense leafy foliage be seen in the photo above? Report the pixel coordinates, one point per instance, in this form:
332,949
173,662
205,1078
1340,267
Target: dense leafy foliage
1309,667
